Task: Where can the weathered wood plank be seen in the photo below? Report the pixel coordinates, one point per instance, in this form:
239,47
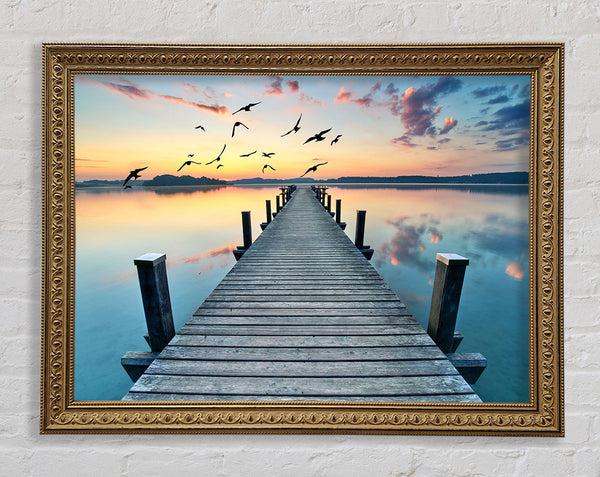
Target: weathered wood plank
302,368
303,354
301,297
441,398
305,320
286,341
284,311
352,304
298,386
298,330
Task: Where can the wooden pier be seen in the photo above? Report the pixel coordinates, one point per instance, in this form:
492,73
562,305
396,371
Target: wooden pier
302,316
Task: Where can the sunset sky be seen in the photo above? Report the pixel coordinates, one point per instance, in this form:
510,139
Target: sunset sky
390,125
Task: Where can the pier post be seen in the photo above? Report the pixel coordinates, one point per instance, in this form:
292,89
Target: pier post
152,275
263,225
268,204
246,229
329,203
447,286
247,235
338,214
277,204
359,237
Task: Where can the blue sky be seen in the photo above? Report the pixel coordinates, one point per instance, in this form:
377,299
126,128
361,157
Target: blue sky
389,125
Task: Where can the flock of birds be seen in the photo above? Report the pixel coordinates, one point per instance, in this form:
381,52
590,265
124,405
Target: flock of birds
318,137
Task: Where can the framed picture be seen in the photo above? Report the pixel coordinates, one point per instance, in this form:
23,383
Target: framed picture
278,238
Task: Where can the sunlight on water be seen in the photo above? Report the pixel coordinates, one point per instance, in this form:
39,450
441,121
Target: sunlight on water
199,227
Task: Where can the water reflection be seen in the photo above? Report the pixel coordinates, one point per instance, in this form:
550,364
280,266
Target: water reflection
198,227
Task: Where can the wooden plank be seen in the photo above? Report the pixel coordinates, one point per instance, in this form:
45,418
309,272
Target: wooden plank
355,353
302,368
286,312
300,297
287,341
441,398
298,386
297,330
325,306
306,320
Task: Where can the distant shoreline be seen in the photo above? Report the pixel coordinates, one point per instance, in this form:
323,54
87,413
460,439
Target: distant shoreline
491,179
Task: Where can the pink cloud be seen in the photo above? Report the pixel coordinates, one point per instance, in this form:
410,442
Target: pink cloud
404,141
207,107
275,86
449,123
294,85
343,96
134,92
418,112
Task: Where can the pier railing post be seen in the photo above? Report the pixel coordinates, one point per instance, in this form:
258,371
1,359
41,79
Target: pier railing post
152,274
359,237
328,203
247,235
447,286
263,225
338,214
268,204
277,204
246,229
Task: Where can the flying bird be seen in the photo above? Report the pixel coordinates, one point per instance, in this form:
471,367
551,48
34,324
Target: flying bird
200,127
295,129
190,155
220,165
247,107
127,187
134,175
237,123
265,166
317,137
248,155
336,139
313,168
218,158
188,163
268,154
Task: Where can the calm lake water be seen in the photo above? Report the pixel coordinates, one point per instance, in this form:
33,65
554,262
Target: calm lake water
199,227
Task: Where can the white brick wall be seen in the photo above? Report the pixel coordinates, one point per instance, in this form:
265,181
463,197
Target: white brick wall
27,23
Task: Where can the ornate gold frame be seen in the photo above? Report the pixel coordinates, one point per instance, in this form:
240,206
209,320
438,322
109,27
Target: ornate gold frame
542,416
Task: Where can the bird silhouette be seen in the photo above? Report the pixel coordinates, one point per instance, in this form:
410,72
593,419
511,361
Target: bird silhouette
268,154
246,108
190,155
295,129
127,187
317,137
220,165
265,166
248,155
200,127
237,123
337,138
134,175
188,163
313,168
218,158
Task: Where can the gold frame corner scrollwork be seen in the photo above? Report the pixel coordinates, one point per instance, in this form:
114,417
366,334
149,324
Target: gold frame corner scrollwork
542,416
